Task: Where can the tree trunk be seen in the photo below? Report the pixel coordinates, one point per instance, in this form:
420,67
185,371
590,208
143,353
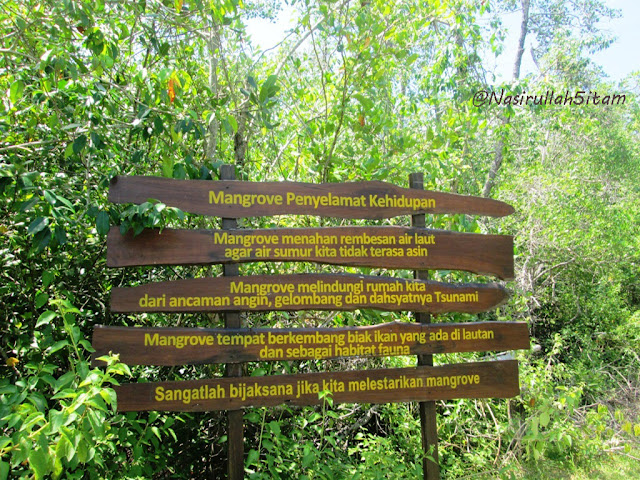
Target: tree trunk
212,128
500,143
240,140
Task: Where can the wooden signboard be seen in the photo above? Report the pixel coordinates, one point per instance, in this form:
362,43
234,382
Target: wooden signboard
306,292
234,199
388,247
184,346
469,380
417,249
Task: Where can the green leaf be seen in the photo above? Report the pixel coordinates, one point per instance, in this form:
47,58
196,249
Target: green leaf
42,239
47,278
275,427
107,61
79,143
16,90
8,389
109,396
49,197
95,42
57,346
96,141
4,183
253,457
534,427
179,172
253,417
4,470
269,88
93,377
82,450
28,204
137,156
167,167
227,126
41,299
544,419
45,318
158,125
233,122
61,235
364,101
102,223
56,420
37,225
308,459
68,151
39,462
164,49
4,441
57,468
64,380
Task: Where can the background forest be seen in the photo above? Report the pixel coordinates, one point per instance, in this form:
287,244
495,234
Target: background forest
359,90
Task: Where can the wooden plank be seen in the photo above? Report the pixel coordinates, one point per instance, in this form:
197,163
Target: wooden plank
388,247
229,198
306,292
468,380
185,346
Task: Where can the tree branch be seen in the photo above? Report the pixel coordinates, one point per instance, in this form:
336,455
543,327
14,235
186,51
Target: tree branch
7,51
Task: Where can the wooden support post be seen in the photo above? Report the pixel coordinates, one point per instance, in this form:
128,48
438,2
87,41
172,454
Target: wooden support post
428,426
235,423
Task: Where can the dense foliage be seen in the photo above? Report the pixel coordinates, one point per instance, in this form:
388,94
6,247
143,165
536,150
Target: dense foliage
358,91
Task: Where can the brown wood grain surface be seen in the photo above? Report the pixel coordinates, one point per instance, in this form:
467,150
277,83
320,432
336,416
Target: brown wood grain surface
468,380
235,420
427,410
185,346
231,198
383,246
294,292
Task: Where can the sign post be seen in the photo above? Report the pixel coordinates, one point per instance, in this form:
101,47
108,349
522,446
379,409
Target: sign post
416,248
428,425
192,346
380,246
235,422
412,384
